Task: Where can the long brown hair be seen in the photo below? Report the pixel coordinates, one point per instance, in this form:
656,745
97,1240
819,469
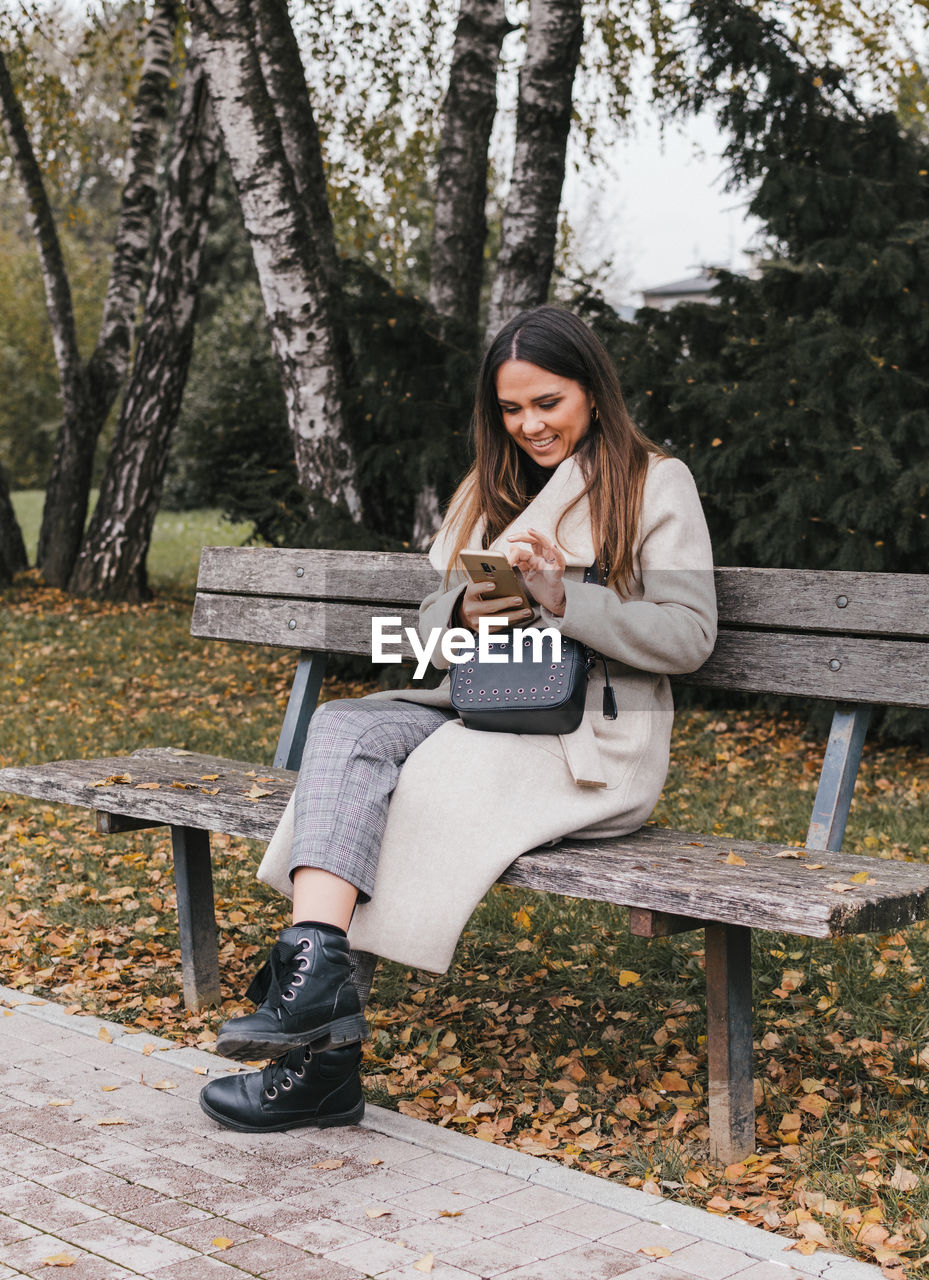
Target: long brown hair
613,453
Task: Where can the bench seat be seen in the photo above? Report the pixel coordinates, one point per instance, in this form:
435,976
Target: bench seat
741,882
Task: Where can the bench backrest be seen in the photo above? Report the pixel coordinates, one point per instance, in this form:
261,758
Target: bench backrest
856,639
845,637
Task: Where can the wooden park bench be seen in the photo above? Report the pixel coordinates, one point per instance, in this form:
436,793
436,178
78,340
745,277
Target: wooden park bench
855,639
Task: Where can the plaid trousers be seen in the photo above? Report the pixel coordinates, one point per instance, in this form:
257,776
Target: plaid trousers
354,751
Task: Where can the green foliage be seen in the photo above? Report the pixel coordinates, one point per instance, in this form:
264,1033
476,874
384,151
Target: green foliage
800,399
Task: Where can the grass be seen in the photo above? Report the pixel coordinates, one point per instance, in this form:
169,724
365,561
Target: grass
176,539
556,1031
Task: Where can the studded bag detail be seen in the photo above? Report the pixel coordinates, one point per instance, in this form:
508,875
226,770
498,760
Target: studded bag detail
529,694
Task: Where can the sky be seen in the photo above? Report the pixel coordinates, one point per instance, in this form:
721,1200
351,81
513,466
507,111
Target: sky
660,209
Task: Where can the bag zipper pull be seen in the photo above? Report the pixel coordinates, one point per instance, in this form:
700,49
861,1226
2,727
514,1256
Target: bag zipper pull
609,697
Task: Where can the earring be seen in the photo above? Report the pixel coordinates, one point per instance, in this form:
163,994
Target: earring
595,414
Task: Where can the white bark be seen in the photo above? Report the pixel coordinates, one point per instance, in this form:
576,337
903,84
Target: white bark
460,225
292,282
543,122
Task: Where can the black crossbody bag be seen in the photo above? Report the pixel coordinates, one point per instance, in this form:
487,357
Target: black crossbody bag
529,694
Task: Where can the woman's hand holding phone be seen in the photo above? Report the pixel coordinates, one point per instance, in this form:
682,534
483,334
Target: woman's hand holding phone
472,607
542,566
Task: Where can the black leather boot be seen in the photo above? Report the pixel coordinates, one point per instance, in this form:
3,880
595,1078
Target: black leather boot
305,996
298,1090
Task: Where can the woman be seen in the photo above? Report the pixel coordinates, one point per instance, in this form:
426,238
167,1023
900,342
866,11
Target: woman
402,818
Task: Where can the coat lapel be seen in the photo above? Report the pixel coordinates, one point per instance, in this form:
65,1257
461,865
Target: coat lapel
542,513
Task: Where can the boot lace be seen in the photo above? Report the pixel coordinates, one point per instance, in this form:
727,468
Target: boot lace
281,973
278,1076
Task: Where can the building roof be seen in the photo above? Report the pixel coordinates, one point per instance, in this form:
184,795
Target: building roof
696,284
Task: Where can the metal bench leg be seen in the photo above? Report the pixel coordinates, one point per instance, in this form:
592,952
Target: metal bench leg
729,1041
196,920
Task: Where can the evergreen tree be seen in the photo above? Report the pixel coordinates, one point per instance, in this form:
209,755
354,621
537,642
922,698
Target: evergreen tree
800,398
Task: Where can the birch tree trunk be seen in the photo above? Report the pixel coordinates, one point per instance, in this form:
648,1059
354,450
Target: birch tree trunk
111,565
12,548
460,226
543,122
88,391
243,56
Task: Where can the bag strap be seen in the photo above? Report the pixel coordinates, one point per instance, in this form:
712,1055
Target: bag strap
593,575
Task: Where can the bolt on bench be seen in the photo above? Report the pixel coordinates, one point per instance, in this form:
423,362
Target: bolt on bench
853,638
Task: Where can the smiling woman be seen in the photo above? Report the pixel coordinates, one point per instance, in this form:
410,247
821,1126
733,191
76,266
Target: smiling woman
546,415
402,816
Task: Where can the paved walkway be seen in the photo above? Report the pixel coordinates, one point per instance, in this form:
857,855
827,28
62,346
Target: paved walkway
109,1168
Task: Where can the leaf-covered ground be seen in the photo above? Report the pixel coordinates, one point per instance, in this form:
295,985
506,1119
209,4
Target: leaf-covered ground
556,1032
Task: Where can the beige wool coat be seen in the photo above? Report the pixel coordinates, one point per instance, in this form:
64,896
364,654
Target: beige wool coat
468,802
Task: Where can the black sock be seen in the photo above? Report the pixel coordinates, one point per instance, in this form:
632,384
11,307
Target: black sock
319,924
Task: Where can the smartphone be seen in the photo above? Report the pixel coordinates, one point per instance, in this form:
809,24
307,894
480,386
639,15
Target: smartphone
493,566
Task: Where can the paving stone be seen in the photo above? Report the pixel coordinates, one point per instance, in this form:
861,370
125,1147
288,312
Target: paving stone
574,1266
263,1255
102,1190
373,1256
28,1258
384,1184
435,1200
591,1220
440,1271
642,1234
320,1235
123,1242
370,1146
11,1229
318,1269
487,1220
483,1184
539,1240
39,1207
531,1204
395,1222
486,1258
708,1261
164,1215
197,1269
436,1168
41,1164
200,1235
438,1236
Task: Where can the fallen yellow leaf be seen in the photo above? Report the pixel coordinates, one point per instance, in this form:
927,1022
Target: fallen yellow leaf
59,1260
328,1164
376,1213
112,1120
104,1035
60,1102
735,861
425,1264
164,1084
628,977
655,1250
237,917
221,1242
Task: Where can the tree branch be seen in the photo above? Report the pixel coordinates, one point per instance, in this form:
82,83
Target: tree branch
42,224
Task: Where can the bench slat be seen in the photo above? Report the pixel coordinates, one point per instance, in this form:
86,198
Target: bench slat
888,672
187,805
656,869
876,604
376,576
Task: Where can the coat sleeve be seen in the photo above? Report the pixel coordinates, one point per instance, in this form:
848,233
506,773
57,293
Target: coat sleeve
672,628
436,612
